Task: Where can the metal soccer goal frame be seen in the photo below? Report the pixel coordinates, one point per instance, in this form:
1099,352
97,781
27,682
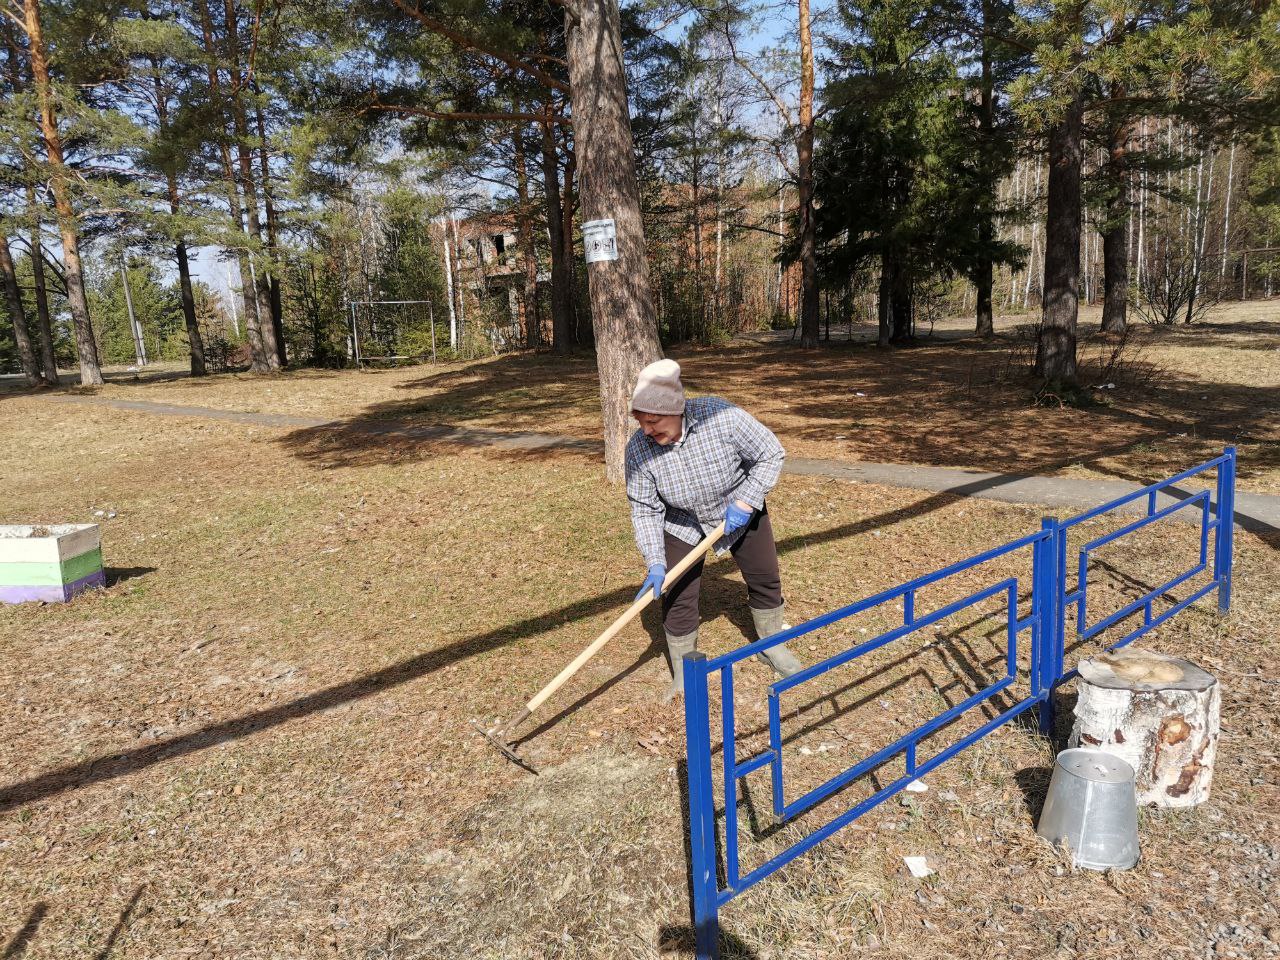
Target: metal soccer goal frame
355,330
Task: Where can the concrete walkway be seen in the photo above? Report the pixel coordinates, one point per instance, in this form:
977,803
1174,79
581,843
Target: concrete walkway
1259,512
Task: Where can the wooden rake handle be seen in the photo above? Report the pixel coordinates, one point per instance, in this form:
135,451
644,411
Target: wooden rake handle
676,572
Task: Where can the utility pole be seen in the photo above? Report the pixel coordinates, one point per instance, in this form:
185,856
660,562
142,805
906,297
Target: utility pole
139,348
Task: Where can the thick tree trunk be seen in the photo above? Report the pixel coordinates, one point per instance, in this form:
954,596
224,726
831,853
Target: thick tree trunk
717,286
568,205
626,328
529,255
884,301
68,224
18,317
457,336
561,268
48,361
1159,714
450,285
260,272
1115,235
195,341
1115,277
1056,347
903,306
804,174
984,324
268,200
699,273
44,326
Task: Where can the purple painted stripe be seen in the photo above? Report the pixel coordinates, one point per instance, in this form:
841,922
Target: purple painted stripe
24,594
58,594
96,579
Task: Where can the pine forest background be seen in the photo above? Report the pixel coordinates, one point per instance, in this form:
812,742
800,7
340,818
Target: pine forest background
253,180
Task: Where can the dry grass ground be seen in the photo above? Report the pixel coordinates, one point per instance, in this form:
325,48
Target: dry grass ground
256,742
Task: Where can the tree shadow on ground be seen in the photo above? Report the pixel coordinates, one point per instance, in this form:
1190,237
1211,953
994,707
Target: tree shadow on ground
17,945
109,767
1241,335
121,924
954,403
1265,459
69,381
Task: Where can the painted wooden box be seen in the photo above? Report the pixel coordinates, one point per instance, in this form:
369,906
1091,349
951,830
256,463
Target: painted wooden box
51,563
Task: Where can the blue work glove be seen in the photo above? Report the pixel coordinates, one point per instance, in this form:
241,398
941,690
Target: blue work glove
735,518
657,574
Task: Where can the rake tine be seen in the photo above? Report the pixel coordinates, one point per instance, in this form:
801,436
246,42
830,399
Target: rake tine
495,737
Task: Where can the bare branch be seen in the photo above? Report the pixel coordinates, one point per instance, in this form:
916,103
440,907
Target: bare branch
764,85
734,225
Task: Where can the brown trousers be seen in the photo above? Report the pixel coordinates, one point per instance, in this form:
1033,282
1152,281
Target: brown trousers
757,557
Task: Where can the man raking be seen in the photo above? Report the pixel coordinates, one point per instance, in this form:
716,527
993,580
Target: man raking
692,464
697,476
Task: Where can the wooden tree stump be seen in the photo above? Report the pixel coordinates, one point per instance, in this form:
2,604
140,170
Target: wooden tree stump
1159,714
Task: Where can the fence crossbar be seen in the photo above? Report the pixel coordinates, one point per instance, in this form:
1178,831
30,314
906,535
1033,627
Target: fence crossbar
897,633
1150,623
1079,595
749,650
1147,491
844,819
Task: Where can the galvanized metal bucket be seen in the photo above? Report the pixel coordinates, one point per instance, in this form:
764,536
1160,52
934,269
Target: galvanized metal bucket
1093,808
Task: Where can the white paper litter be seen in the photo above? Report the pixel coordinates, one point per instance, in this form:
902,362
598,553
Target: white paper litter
918,866
916,786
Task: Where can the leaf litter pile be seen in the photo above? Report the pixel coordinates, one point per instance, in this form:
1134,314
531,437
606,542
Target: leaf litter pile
256,742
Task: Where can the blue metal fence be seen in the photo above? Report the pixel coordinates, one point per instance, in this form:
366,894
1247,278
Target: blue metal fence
1045,630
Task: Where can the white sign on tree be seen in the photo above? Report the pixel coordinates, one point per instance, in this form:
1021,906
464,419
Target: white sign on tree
600,240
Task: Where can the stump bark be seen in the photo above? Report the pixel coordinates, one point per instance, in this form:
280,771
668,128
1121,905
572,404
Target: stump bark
1158,713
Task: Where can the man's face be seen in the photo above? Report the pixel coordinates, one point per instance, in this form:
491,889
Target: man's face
661,428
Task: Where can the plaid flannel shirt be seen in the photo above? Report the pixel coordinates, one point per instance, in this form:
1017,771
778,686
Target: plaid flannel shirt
725,454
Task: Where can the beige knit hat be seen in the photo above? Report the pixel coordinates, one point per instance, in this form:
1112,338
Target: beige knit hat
658,389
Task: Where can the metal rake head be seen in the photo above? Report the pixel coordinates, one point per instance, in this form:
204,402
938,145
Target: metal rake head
494,736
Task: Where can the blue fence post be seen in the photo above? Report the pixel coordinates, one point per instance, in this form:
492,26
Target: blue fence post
702,807
1222,555
1045,590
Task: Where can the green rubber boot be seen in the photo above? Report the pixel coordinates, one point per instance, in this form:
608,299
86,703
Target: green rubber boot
678,648
769,622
